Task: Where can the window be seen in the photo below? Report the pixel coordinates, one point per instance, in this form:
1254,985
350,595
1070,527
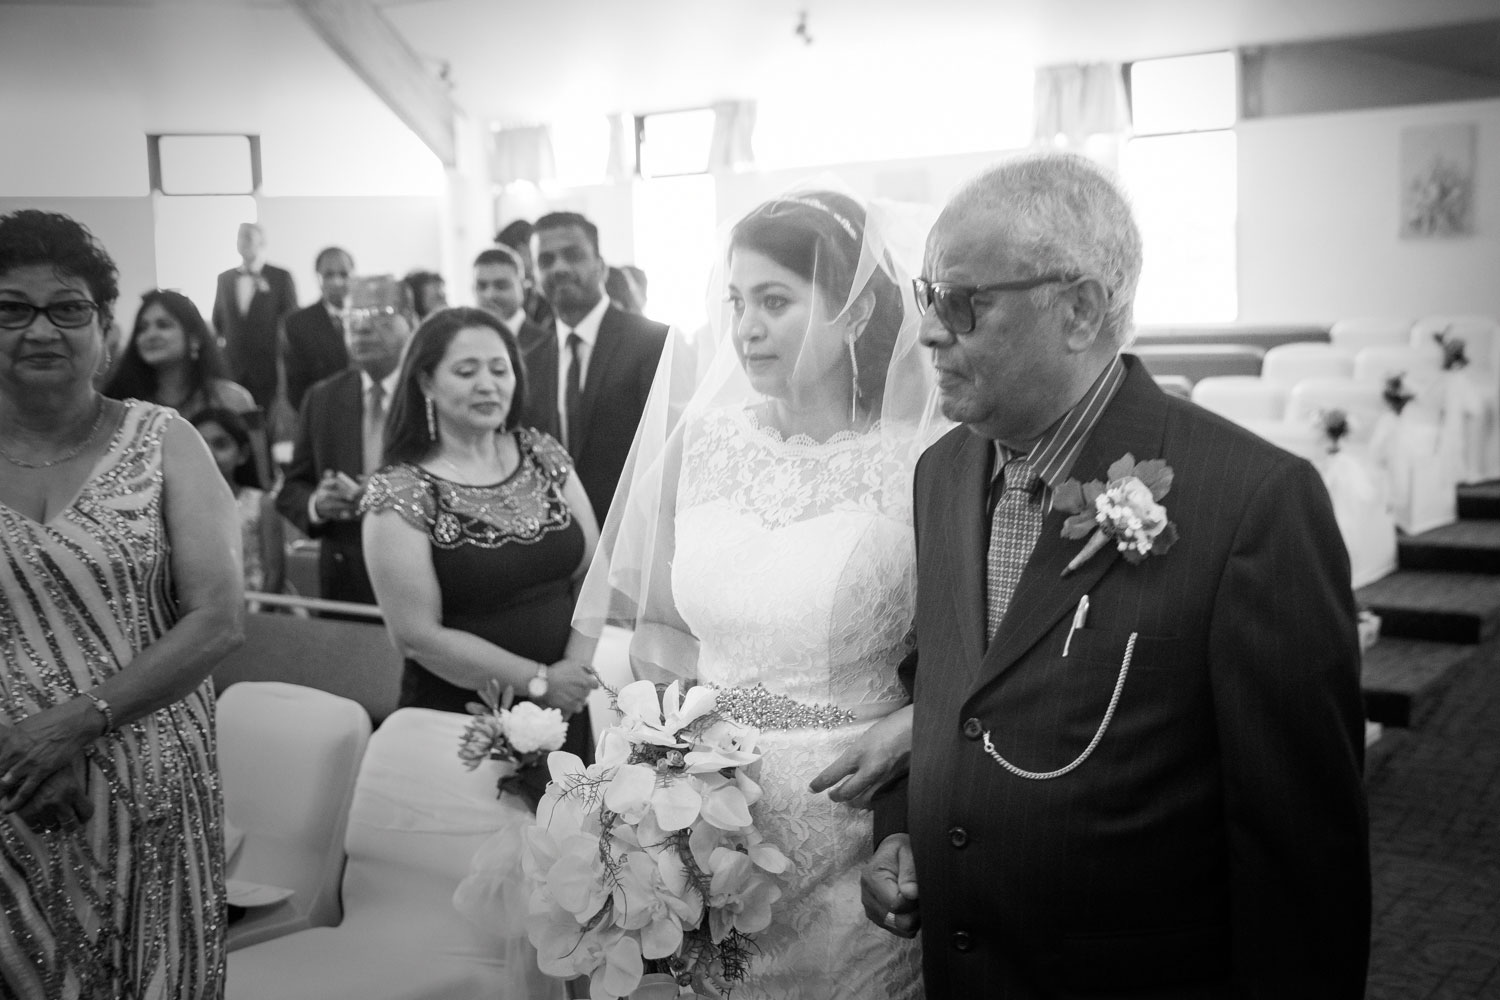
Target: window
1180,170
675,243
204,164
672,143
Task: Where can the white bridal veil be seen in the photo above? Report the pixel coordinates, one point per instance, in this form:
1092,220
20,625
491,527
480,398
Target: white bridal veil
812,333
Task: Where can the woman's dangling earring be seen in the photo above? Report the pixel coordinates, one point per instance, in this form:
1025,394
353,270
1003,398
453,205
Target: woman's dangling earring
431,419
854,382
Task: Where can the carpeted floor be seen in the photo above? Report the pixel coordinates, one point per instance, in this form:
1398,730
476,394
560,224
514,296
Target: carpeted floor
1434,796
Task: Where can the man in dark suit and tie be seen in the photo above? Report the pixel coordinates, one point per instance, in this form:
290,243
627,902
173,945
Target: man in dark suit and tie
312,343
339,435
249,305
593,367
1133,773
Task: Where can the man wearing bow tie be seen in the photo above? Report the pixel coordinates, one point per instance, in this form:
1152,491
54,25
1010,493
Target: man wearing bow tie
1136,768
250,304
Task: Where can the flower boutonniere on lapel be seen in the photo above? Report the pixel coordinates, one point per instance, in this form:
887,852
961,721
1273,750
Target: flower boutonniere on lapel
1127,511
262,286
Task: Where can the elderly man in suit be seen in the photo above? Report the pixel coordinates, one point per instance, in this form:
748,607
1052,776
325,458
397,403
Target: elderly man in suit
339,435
312,343
249,305
1133,773
593,367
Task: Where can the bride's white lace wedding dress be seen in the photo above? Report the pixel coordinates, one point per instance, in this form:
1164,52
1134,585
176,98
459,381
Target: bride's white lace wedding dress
794,569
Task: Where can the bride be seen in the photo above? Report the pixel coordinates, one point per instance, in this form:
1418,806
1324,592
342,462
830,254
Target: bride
761,542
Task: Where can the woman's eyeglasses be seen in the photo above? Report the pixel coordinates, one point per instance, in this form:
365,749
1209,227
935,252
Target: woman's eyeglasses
955,303
69,315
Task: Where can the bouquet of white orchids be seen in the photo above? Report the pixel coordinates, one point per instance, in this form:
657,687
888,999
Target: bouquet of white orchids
647,861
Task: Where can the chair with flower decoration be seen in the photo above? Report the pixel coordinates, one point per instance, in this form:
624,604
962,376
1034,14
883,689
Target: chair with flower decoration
1289,364
1468,350
418,818
1241,397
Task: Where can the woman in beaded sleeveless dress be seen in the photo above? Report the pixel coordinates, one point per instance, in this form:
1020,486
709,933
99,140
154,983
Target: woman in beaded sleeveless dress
119,591
765,547
476,532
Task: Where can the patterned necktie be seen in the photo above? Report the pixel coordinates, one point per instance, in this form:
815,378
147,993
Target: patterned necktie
374,427
1014,528
573,397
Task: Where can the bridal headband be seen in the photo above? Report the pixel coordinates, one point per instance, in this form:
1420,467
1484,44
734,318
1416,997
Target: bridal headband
814,203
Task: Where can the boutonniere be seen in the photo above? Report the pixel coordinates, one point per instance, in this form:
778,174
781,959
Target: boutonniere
1126,511
1396,394
262,285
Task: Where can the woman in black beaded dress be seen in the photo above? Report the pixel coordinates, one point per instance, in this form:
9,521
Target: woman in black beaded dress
476,530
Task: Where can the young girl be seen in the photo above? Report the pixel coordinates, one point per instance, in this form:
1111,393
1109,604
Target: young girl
229,440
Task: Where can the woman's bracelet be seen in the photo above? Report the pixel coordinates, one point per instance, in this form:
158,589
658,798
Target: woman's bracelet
103,708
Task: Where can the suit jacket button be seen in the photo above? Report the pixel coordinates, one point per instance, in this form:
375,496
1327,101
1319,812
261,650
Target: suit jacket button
963,941
973,729
958,836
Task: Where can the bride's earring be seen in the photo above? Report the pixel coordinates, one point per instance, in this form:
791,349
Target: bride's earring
854,381
431,419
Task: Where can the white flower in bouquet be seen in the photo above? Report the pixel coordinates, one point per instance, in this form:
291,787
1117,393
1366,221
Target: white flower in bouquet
650,855
530,727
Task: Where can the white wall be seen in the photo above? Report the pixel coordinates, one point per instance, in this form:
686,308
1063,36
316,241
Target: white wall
82,86
1319,219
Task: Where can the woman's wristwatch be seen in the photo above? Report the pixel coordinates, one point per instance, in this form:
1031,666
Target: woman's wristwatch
536,688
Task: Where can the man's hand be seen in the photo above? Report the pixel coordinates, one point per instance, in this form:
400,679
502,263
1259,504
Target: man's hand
888,887
337,497
881,753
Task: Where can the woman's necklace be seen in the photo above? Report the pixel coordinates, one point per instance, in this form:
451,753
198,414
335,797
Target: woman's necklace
67,456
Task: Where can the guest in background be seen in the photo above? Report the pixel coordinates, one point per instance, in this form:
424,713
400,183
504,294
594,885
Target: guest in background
517,236
477,529
429,292
261,537
338,440
312,340
250,304
122,592
593,370
172,359
500,290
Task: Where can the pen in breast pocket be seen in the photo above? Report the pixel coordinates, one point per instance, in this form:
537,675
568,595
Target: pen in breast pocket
1079,617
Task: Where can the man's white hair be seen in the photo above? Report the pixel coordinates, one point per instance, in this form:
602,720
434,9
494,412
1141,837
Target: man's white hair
1064,215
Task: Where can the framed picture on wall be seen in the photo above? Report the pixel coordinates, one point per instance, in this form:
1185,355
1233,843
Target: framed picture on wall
1437,180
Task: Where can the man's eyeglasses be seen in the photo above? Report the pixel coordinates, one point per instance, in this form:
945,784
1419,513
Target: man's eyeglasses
955,303
364,317
69,315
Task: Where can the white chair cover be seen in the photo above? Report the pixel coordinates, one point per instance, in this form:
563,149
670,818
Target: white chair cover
1471,395
1480,334
1420,479
1359,505
1291,363
1241,397
288,756
418,818
1356,333
1360,401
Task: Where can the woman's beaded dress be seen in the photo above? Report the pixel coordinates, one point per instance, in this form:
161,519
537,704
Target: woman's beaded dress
132,904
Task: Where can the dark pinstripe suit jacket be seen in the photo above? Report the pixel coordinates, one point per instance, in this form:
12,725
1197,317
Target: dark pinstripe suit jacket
1214,844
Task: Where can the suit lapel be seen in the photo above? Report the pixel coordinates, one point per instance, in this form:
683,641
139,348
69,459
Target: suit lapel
349,425
966,529
1135,422
540,356
601,358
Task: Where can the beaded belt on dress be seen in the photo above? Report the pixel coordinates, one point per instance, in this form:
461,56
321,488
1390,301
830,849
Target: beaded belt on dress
755,706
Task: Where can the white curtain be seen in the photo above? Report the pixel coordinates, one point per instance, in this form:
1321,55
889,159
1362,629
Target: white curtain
523,154
734,127
1082,105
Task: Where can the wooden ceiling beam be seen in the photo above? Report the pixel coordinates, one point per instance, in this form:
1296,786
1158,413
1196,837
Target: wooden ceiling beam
369,44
